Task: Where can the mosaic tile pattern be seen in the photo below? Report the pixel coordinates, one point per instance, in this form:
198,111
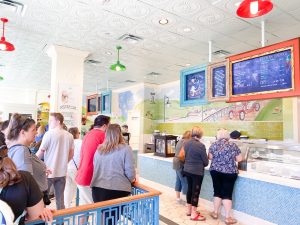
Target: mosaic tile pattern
272,202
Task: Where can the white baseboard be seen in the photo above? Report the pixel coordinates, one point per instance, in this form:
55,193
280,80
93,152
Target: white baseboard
244,218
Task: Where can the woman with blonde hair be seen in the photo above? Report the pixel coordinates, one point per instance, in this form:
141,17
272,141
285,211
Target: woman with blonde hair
114,170
113,167
195,159
223,169
181,181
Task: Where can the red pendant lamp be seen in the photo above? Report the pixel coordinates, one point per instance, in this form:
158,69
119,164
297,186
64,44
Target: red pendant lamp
254,8
5,45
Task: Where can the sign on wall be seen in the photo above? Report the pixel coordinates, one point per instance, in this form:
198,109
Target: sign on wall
193,86
217,82
67,104
269,72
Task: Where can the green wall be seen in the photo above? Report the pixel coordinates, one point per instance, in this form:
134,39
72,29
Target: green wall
268,130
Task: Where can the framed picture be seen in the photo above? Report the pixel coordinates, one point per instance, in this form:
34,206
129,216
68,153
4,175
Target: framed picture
92,104
106,102
217,82
193,86
264,73
99,103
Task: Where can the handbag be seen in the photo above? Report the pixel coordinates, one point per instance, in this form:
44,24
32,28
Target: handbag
181,154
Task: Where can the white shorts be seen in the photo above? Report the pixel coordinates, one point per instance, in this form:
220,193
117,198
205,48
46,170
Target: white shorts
85,195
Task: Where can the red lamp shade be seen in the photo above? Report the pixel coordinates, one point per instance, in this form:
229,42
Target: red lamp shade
5,45
254,8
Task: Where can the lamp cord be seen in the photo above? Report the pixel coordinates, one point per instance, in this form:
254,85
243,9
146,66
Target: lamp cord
3,29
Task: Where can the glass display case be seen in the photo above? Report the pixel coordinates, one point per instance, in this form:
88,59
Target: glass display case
276,160
165,145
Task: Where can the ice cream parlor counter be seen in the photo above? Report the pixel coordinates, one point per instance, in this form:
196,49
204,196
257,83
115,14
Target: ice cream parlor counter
268,191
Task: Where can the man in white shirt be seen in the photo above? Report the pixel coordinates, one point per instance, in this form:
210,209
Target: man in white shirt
57,147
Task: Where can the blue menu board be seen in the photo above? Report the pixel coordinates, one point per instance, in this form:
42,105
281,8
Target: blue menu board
218,79
271,72
195,85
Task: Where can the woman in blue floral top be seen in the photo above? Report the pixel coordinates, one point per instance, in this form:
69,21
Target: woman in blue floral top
223,169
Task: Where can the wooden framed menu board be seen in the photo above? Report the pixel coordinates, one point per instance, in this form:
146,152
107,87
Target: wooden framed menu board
217,82
269,72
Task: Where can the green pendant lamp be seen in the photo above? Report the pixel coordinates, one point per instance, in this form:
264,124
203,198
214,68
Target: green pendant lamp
1,78
118,66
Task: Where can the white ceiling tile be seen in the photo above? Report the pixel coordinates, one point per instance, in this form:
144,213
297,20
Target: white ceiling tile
96,25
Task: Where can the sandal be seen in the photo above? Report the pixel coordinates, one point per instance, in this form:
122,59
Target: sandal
214,215
199,217
230,220
189,214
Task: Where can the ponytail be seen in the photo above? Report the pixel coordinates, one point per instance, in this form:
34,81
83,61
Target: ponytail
16,124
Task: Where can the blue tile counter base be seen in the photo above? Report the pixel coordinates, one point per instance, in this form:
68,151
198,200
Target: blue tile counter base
272,202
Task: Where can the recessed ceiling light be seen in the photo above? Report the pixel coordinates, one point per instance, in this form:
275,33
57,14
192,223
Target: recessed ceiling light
187,29
237,4
108,53
188,64
163,21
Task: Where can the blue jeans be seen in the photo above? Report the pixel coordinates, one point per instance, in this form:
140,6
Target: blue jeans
59,184
181,182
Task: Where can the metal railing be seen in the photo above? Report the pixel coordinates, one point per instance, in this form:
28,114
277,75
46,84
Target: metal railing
140,208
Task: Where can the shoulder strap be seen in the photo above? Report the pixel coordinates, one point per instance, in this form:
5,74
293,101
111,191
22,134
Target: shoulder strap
75,164
15,146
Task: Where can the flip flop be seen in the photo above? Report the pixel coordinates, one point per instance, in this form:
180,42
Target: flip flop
214,215
199,217
189,214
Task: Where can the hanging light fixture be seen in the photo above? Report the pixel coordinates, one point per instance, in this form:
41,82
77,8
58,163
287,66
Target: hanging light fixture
254,8
1,78
5,45
118,66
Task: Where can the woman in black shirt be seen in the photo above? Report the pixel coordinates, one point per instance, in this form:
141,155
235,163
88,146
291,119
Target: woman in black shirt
21,192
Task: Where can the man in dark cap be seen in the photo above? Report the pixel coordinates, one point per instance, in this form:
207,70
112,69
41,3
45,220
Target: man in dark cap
235,134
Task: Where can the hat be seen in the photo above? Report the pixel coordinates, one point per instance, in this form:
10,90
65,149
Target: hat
235,134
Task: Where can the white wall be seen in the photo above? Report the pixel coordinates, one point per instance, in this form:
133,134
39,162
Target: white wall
23,101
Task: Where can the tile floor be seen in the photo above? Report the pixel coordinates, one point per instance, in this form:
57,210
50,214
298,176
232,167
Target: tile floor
174,213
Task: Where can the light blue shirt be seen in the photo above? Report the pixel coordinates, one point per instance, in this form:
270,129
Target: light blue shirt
114,170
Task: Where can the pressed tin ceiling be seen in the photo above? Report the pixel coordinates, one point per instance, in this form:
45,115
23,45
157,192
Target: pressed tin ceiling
96,26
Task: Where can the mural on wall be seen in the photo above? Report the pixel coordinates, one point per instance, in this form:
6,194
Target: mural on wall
266,110
126,103
261,110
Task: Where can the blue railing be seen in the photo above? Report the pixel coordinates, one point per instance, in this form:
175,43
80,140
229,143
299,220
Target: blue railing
141,208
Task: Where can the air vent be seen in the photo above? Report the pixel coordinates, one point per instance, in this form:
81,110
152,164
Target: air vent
13,6
221,53
155,74
130,38
130,81
92,61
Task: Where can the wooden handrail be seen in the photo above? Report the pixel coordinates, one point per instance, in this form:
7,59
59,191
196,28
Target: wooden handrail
150,193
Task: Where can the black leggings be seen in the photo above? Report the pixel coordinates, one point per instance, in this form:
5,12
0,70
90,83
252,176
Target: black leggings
194,187
101,194
223,184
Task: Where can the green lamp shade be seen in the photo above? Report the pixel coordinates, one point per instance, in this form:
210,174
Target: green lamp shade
1,78
118,67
